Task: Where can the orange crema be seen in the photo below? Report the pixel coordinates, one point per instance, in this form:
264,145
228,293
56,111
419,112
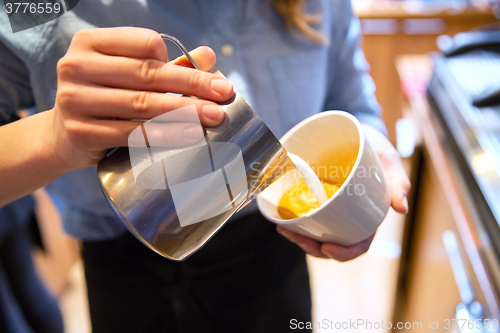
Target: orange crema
299,200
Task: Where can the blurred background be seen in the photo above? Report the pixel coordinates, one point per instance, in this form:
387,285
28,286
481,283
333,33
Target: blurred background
441,261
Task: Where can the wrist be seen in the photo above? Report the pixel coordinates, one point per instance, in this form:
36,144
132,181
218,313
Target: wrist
28,160
47,152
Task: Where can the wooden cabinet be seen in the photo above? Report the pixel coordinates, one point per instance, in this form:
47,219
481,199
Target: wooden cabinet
392,28
440,203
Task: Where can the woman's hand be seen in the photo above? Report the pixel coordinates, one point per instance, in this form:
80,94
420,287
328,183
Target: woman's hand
123,73
400,184
108,74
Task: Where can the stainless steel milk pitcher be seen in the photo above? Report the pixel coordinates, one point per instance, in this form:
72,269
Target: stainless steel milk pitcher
175,199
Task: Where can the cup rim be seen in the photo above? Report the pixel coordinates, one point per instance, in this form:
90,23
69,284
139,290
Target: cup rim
361,149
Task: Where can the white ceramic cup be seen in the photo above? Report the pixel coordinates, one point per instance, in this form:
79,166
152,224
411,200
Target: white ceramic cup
334,145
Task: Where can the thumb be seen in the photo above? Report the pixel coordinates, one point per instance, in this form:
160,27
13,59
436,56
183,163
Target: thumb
399,181
204,56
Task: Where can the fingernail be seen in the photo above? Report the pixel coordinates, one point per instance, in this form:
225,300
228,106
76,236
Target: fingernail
328,255
214,112
222,86
405,203
193,133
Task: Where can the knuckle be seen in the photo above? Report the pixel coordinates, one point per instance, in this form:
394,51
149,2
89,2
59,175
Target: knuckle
167,138
76,131
81,35
68,66
149,71
141,102
155,46
187,101
195,80
66,97
83,38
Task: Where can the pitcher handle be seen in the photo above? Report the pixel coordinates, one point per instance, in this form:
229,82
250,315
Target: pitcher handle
180,46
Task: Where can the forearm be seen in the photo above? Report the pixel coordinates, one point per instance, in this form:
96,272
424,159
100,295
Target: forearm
27,157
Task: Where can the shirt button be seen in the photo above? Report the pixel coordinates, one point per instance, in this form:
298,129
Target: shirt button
227,50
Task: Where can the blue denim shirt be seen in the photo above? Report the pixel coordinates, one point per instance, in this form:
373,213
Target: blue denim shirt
282,74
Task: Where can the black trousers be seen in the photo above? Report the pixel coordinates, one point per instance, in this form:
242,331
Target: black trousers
248,278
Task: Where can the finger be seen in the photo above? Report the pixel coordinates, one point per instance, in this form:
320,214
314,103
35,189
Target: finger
100,134
178,134
123,41
391,161
308,245
399,199
146,75
204,56
105,134
103,102
345,253
400,183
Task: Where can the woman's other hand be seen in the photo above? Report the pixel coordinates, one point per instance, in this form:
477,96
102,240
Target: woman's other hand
400,185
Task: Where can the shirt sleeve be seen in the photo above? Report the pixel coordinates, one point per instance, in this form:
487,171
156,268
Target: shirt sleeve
350,87
15,88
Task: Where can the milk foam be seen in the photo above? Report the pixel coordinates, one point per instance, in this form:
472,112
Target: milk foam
310,178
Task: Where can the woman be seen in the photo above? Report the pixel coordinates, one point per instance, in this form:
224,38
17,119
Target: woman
247,278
